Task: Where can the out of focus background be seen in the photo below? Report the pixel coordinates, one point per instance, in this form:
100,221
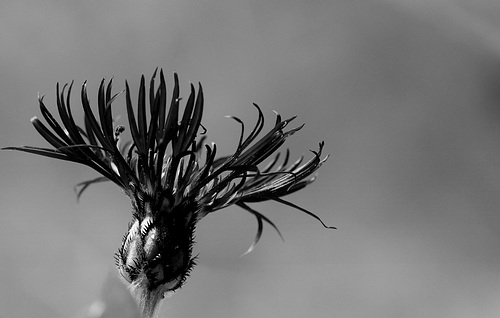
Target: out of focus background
406,95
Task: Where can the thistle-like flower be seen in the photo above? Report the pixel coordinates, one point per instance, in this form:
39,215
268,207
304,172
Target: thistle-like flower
171,184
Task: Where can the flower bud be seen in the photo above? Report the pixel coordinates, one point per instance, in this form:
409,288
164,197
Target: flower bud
155,256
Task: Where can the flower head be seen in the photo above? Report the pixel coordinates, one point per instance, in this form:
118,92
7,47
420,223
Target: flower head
171,179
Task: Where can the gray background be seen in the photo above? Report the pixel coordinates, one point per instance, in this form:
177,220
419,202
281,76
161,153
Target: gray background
405,94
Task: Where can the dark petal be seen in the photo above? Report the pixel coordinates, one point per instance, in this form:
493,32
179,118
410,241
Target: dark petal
259,216
186,119
47,134
161,100
256,130
53,123
51,153
90,134
169,131
65,115
282,182
266,145
204,179
195,121
242,133
93,124
141,114
105,112
290,204
131,121
152,99
271,164
82,186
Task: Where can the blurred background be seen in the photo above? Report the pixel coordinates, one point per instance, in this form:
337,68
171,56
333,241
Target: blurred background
405,93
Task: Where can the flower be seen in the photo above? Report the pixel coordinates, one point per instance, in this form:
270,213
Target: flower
163,172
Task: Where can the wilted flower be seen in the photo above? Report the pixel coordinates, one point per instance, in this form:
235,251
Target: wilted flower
169,183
